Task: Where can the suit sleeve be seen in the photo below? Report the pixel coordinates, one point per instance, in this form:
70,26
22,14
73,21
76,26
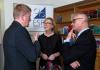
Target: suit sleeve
65,49
25,46
76,52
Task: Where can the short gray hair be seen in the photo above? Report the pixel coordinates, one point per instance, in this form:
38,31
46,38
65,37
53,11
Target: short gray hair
21,9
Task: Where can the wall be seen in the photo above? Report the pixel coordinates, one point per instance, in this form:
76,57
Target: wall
6,7
1,48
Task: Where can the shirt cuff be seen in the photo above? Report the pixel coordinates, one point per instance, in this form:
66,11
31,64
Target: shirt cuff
66,40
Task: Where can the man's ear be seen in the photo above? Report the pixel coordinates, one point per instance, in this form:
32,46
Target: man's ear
22,17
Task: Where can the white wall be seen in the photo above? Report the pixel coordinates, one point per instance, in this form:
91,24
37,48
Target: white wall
1,48
6,14
8,8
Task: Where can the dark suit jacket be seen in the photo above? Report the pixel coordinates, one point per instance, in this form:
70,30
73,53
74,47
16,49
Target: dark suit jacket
19,51
84,51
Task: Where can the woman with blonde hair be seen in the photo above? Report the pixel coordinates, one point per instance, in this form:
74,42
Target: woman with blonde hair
50,43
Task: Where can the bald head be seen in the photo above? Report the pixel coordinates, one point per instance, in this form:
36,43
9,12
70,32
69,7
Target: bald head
79,15
79,21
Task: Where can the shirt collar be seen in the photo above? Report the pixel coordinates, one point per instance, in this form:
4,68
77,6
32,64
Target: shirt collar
82,32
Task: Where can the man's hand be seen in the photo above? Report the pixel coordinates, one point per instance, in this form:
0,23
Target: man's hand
36,35
71,35
75,64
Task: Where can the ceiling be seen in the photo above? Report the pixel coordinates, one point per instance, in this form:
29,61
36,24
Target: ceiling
55,3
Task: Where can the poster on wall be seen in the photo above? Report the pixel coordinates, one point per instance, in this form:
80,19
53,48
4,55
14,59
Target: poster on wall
39,13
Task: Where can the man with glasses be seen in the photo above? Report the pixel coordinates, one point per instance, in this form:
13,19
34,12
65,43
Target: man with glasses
81,55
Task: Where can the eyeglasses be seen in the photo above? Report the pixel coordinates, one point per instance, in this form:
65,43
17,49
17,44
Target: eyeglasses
73,20
47,23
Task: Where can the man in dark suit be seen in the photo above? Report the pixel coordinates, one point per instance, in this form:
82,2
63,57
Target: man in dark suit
19,51
81,55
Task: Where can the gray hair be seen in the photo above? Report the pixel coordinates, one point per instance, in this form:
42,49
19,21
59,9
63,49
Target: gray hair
21,9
